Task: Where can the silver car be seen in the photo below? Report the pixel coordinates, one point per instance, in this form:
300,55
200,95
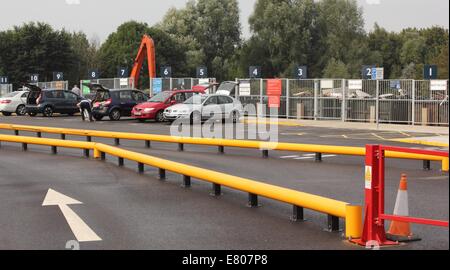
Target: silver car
14,102
203,107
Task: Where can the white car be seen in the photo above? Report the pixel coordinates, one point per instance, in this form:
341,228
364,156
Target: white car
14,102
203,107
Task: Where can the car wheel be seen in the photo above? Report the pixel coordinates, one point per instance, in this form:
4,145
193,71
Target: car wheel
48,111
21,110
98,117
195,118
115,115
32,114
159,116
6,113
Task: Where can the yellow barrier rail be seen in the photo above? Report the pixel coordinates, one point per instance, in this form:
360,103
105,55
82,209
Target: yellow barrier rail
221,143
334,208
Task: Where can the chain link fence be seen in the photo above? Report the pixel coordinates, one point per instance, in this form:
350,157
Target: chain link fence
413,102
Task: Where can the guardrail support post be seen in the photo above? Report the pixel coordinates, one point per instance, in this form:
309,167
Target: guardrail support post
39,134
86,152
116,141
427,165
180,147
147,144
102,156
186,181
265,153
24,146
16,132
63,136
221,149
252,200
140,167
162,174
89,138
120,161
333,223
297,213
318,157
217,189
54,150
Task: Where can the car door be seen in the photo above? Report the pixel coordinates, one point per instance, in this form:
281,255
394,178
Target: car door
126,102
226,105
211,108
57,99
71,101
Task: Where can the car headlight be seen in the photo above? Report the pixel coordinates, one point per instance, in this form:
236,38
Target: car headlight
149,110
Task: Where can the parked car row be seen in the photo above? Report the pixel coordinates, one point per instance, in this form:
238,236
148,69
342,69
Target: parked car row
193,105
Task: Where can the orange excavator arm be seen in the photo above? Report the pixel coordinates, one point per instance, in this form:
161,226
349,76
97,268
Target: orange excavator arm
147,49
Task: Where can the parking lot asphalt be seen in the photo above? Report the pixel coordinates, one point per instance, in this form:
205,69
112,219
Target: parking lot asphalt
132,211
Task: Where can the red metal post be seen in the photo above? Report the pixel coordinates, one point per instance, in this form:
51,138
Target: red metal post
374,232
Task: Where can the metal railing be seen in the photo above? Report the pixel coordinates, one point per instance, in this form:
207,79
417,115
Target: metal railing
110,83
413,102
333,208
165,84
59,85
222,143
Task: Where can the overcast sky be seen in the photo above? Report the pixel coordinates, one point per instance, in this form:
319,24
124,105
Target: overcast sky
101,17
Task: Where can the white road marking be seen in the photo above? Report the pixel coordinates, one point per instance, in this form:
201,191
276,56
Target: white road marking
79,228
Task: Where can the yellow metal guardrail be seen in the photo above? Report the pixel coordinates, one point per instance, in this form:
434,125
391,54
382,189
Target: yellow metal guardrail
221,143
334,208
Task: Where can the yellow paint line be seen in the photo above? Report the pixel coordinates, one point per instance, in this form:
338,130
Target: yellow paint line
422,142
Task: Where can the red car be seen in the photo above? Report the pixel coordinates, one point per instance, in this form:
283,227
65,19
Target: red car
154,107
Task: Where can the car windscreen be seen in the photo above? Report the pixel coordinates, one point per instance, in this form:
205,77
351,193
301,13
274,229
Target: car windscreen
196,99
161,97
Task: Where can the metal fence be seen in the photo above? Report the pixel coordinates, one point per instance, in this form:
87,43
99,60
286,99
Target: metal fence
165,84
375,101
110,83
5,89
60,85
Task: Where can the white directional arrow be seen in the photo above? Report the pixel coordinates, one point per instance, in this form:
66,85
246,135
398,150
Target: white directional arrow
79,228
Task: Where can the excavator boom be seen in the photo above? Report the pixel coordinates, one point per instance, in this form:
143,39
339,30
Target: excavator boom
146,50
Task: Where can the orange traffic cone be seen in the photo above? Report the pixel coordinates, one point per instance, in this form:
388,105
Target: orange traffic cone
399,230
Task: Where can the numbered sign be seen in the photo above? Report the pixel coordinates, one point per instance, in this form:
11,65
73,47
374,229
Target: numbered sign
430,72
255,72
300,72
122,72
166,72
58,76
34,78
93,74
4,80
202,72
366,72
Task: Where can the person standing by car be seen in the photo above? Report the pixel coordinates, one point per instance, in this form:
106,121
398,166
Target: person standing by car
86,109
76,90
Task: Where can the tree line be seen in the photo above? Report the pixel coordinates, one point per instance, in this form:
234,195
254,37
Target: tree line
328,36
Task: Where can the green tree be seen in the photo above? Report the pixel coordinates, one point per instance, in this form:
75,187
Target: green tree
336,69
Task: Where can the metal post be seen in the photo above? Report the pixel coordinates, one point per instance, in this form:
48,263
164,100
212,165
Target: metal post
16,132
316,98
24,146
186,181
54,150
377,105
39,134
147,144
217,190
261,98
318,157
162,174
221,149
86,152
252,200
170,84
333,223
120,161
343,105
265,153
427,165
180,147
287,98
413,105
297,213
102,156
116,141
89,138
63,136
140,167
